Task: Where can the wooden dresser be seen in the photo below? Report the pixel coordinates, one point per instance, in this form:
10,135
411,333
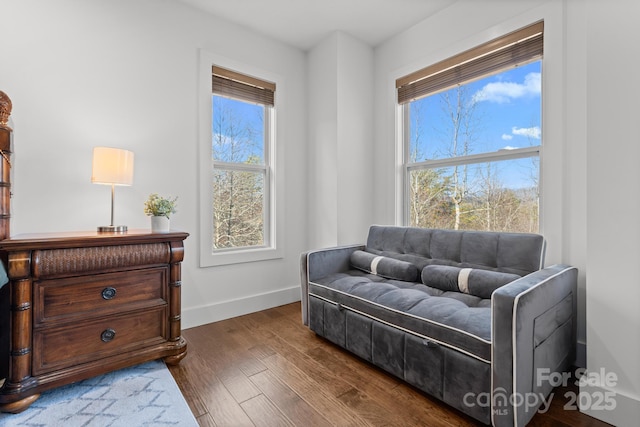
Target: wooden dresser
82,304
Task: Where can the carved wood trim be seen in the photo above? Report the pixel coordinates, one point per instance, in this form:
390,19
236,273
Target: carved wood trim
56,262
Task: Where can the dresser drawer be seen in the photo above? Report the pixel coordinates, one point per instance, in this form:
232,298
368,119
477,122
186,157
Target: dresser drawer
82,296
61,347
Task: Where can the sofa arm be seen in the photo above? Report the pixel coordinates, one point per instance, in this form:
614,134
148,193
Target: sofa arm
319,263
533,335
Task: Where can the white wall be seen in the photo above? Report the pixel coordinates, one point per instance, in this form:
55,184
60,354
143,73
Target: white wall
124,73
340,140
613,229
323,149
356,194
575,160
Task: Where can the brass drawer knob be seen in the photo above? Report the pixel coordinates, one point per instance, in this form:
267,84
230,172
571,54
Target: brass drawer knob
107,335
108,293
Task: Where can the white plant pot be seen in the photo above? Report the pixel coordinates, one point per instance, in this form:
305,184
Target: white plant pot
159,224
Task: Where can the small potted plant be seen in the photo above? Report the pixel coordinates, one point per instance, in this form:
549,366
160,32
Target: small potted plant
160,209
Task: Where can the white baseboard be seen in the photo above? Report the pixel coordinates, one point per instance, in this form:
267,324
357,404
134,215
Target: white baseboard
609,406
196,316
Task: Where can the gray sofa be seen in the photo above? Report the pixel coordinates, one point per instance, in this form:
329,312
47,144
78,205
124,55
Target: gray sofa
471,318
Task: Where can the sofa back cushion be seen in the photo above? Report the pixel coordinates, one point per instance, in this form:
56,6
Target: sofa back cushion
517,253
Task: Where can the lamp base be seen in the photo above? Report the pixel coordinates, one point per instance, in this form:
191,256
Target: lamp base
112,229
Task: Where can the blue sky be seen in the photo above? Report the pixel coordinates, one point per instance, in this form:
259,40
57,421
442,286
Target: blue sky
242,115
507,114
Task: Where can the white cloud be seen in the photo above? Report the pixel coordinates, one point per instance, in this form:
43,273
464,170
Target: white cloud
507,137
503,92
533,132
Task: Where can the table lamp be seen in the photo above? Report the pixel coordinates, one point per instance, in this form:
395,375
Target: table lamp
112,166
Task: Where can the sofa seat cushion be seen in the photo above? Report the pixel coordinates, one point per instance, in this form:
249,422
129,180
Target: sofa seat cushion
453,319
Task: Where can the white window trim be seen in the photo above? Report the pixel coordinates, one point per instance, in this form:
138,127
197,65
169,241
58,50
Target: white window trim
274,176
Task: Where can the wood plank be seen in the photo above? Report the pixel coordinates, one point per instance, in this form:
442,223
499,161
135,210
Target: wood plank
315,370
315,394
353,370
288,401
221,406
190,390
264,413
224,355
250,365
238,384
315,373
206,421
224,409
371,411
427,407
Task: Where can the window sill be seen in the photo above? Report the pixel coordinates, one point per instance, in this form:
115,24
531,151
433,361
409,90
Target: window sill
213,259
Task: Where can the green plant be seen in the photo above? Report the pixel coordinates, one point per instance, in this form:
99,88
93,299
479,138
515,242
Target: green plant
160,206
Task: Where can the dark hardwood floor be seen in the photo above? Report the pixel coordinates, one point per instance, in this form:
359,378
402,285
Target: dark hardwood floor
267,369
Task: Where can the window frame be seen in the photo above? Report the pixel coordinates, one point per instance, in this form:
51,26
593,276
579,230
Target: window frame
272,213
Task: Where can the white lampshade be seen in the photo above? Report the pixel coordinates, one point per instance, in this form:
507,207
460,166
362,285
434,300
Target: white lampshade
112,166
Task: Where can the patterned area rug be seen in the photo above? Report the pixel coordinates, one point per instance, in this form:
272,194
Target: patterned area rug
143,395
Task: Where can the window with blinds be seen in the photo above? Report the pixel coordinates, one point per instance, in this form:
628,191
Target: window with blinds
514,49
242,152
242,87
472,136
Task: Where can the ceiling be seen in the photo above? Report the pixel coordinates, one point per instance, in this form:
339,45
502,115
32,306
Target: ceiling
304,23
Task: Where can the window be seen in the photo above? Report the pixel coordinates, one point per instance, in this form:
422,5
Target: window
238,216
471,135
242,119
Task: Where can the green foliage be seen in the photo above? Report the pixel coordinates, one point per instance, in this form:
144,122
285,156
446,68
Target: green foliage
160,206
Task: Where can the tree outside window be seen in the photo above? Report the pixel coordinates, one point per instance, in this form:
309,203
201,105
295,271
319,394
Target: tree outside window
472,154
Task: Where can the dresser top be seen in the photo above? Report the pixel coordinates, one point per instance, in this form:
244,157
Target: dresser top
87,238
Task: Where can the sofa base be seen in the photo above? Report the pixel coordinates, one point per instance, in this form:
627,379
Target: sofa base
457,379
